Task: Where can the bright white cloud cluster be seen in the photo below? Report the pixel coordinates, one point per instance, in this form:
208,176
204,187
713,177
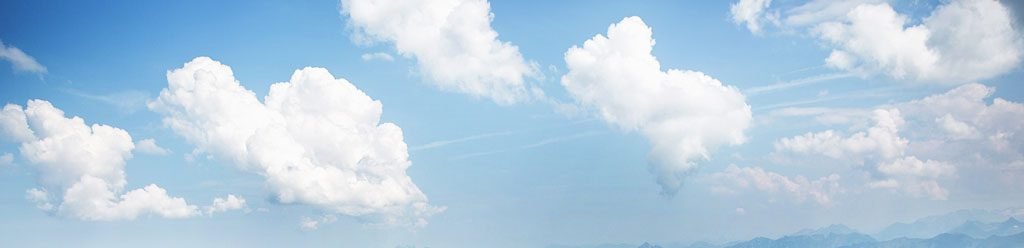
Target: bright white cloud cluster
451,40
85,164
959,42
316,139
20,61
734,179
684,114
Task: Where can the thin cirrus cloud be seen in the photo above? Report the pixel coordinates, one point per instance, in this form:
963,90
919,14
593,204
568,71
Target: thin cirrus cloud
81,167
959,42
360,171
452,42
684,114
20,61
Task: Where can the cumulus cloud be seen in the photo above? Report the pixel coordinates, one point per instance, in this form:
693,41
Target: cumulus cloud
316,139
914,146
84,164
959,42
231,202
880,144
684,114
452,42
20,61
149,146
962,123
735,179
881,141
751,13
915,176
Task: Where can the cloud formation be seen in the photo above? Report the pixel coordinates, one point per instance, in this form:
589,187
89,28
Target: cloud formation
684,114
914,146
959,42
452,42
85,165
316,139
735,179
149,146
20,61
751,13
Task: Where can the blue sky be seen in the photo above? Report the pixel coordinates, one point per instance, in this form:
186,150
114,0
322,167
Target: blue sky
568,167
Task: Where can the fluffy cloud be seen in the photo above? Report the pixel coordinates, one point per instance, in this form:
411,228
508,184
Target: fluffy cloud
734,179
85,164
961,124
881,141
231,202
20,61
684,114
915,176
452,42
880,144
751,13
913,146
316,139
149,146
959,42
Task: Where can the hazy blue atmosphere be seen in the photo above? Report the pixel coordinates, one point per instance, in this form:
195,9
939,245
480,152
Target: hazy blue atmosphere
495,123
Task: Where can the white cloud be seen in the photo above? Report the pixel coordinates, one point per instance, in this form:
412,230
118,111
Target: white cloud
735,179
231,202
149,146
40,197
85,164
959,42
377,56
923,142
818,11
451,40
956,129
881,141
750,12
316,139
684,114
19,60
915,176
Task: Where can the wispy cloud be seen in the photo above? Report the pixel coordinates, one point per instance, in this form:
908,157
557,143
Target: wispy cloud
127,100
549,141
870,93
540,143
20,61
441,143
796,83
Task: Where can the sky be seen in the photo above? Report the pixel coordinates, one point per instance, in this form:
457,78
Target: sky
475,123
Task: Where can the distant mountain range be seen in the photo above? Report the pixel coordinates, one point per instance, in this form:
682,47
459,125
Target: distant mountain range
964,228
